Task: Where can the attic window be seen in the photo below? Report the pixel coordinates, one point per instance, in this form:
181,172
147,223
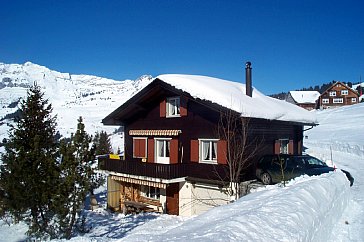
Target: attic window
173,107
344,92
333,94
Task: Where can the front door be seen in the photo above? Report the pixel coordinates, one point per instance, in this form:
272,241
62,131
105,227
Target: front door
173,199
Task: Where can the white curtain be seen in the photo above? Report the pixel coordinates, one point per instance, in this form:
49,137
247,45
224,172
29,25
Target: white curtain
160,148
205,150
214,150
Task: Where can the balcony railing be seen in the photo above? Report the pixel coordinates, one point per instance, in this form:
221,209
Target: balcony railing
164,171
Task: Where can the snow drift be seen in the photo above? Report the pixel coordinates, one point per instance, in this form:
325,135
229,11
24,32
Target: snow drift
305,210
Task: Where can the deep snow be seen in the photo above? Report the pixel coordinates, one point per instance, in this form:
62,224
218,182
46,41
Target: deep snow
308,209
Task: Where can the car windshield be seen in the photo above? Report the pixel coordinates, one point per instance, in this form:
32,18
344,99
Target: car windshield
312,161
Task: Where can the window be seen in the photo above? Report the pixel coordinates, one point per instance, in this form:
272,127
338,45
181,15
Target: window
150,192
139,147
283,146
353,99
325,100
162,151
344,92
333,94
208,151
338,100
173,107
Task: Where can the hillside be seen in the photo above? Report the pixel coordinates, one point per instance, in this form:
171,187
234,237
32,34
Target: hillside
71,95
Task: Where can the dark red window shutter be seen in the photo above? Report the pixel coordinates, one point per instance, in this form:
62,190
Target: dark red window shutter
277,147
139,148
162,108
135,148
173,159
183,107
194,151
290,147
150,151
222,152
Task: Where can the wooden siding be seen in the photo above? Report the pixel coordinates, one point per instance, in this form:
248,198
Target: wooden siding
164,171
338,87
201,122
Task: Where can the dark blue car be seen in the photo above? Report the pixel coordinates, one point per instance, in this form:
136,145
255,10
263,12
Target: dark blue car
276,168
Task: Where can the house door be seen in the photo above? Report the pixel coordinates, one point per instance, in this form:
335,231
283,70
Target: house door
172,199
162,147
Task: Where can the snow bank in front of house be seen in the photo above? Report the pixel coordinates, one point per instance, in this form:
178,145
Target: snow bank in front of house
232,95
305,210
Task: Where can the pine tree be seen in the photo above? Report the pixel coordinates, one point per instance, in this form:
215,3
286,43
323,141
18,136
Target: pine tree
29,173
102,143
76,172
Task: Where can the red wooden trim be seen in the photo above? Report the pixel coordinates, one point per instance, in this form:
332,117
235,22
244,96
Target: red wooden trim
150,151
277,147
162,108
290,147
194,151
183,107
222,152
173,159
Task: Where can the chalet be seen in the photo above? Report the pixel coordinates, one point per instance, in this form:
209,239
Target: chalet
174,159
338,95
303,99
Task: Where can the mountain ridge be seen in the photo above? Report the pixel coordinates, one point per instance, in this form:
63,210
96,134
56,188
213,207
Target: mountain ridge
71,95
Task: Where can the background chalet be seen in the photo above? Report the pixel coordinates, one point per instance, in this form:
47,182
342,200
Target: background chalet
338,95
174,158
303,99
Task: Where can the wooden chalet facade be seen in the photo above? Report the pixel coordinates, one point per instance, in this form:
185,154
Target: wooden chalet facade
338,95
173,158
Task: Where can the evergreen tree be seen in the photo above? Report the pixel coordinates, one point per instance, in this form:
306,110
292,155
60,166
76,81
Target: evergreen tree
76,172
29,173
102,143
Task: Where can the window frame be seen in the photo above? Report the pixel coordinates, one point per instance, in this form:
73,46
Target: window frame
164,150
211,159
338,100
354,100
146,147
344,92
284,146
325,100
332,93
147,192
176,106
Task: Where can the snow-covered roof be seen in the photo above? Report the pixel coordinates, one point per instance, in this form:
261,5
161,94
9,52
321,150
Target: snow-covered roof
305,96
232,95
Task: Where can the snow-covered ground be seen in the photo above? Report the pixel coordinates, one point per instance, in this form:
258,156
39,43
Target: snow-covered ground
322,208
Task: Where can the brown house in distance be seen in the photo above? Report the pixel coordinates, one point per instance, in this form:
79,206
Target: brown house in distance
174,160
338,95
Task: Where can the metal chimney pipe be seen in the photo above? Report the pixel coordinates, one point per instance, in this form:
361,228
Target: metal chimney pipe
248,79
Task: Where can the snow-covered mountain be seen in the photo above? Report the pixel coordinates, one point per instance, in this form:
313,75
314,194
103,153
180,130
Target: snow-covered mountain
71,95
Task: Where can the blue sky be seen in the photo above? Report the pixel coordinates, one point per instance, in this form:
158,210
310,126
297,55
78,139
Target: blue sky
291,44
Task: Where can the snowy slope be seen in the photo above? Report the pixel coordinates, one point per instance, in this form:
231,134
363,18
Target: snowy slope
71,96
320,208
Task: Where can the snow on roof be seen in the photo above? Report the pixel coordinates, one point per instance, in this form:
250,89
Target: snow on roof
305,96
232,95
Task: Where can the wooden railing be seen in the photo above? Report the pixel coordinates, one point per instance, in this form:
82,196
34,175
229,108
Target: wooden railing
164,171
